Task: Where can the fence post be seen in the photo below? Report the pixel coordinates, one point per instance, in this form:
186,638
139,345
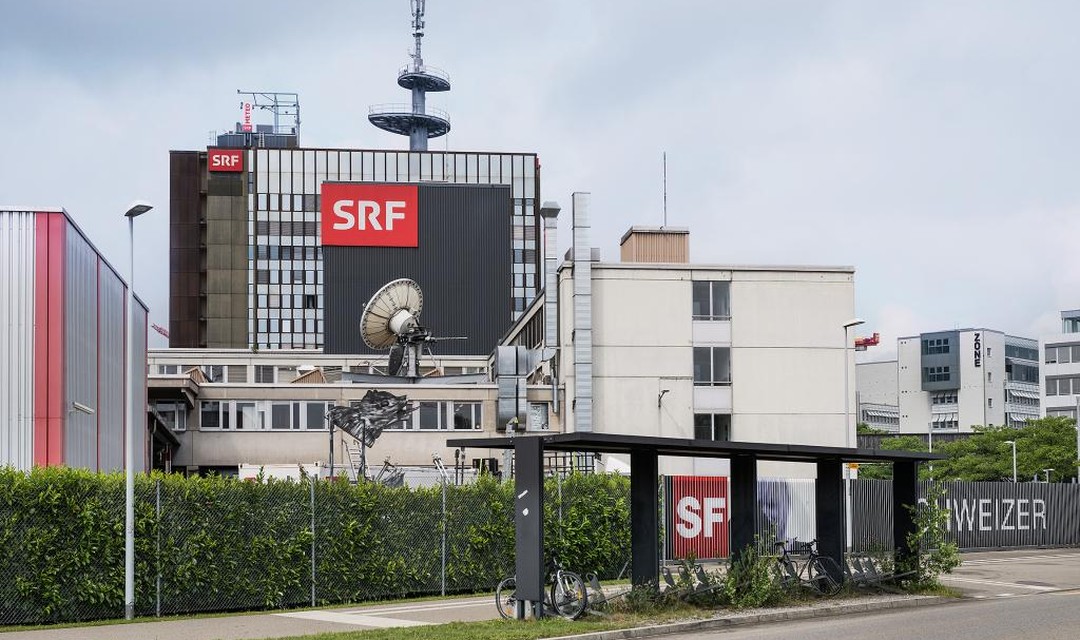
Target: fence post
313,478
157,554
444,523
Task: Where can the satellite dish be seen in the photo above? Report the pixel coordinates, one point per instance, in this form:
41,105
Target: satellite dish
392,312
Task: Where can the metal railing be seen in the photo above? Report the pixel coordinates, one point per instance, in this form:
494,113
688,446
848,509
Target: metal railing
401,108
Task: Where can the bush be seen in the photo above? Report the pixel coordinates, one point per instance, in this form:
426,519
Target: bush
751,579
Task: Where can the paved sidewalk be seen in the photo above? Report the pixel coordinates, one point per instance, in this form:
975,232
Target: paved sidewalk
983,575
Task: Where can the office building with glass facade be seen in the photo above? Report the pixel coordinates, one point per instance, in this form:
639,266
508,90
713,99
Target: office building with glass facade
246,263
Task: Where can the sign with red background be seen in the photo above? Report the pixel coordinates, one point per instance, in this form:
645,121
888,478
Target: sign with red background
369,215
225,159
698,517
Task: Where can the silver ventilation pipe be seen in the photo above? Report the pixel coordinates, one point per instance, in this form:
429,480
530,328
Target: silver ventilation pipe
549,211
583,356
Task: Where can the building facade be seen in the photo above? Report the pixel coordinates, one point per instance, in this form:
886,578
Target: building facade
247,263
63,348
950,381
1061,368
876,395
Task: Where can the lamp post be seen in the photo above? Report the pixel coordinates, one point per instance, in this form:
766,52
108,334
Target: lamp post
136,209
854,322
1013,443
1047,472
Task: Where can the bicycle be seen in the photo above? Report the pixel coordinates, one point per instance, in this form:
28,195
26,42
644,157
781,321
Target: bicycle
566,595
814,574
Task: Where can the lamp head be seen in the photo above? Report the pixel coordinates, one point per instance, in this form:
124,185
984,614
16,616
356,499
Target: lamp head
854,322
137,208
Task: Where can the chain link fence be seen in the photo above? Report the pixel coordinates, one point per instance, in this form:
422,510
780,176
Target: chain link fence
218,545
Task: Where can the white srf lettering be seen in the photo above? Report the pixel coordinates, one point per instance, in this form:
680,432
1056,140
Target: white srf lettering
687,509
369,210
714,514
394,212
984,515
1038,512
344,214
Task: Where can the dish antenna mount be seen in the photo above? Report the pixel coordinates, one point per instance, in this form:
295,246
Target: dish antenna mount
391,320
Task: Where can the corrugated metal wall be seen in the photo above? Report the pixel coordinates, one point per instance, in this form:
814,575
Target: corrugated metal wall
462,264
111,308
17,340
80,351
139,368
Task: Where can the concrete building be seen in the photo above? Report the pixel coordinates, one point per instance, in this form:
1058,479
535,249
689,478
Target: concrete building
655,346
63,351
950,381
876,395
1061,368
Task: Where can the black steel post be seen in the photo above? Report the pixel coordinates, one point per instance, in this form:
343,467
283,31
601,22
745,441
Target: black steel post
644,518
529,522
905,494
331,449
743,505
831,521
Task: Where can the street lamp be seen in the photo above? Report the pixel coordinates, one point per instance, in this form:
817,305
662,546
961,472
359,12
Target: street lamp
136,209
1013,443
854,322
1047,472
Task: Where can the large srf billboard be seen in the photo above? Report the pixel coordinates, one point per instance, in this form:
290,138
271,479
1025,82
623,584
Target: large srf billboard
369,215
698,517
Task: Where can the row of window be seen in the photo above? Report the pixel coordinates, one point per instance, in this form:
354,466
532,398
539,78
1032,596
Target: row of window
936,374
935,345
1063,386
711,300
253,415
1062,354
1024,353
287,228
1021,372
287,276
286,252
712,366
945,425
949,397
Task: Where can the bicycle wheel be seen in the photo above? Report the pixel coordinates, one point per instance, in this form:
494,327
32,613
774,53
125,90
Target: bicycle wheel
506,597
822,579
568,595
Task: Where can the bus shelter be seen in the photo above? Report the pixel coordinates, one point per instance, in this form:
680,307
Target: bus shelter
644,452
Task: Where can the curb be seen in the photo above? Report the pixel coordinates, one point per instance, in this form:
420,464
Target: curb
761,618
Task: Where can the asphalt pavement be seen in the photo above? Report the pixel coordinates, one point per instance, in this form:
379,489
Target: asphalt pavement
983,576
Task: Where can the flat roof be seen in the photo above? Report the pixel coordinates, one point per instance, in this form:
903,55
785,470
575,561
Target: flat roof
686,447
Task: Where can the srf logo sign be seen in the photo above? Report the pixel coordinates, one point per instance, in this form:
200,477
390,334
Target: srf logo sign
699,517
225,159
369,215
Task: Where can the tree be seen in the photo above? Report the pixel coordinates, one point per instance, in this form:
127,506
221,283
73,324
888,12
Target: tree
883,471
1040,444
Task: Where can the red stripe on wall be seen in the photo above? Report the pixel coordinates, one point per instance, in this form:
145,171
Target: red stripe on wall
41,338
55,410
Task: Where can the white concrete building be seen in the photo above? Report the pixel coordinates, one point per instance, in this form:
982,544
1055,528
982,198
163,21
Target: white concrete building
876,394
648,345
1061,368
950,381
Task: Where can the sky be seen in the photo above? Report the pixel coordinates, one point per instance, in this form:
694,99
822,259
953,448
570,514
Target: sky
931,145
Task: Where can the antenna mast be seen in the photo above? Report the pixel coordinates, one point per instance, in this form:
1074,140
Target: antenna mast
665,188
415,120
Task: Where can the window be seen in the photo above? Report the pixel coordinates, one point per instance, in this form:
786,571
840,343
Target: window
466,415
281,415
168,369
209,415
935,345
316,415
174,414
246,416
949,397
431,415
264,374
712,366
936,374
990,403
712,426
989,376
711,300
214,372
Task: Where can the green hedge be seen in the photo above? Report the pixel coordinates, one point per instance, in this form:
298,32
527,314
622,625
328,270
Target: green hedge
221,544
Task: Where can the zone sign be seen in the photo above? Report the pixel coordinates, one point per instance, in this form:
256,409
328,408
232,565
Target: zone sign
369,215
225,159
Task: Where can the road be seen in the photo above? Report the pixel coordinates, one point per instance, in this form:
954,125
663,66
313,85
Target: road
1046,616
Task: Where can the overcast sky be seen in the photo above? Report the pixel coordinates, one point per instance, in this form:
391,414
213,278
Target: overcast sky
931,145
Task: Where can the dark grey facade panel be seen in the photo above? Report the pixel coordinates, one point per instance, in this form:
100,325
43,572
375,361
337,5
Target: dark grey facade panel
951,359
462,263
